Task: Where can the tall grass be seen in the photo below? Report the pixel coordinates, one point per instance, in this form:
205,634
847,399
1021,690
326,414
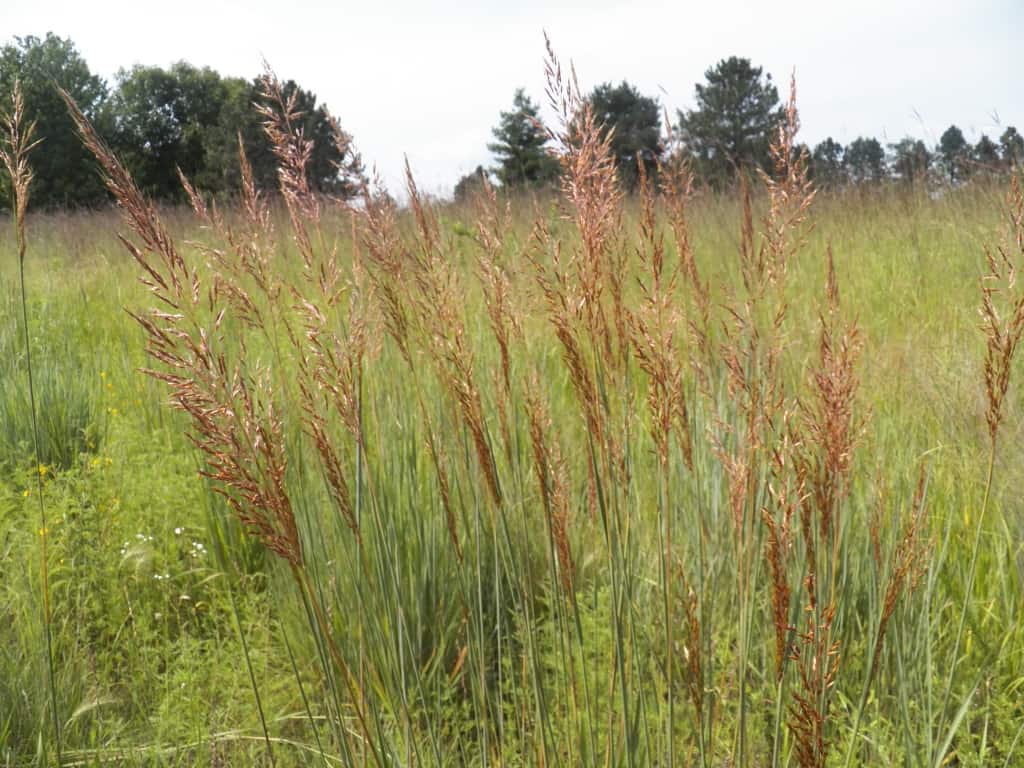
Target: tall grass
17,144
609,482
70,416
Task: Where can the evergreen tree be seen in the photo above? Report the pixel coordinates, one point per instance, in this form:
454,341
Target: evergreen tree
636,128
737,109
519,147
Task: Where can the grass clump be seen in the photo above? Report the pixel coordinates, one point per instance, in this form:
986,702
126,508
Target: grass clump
619,481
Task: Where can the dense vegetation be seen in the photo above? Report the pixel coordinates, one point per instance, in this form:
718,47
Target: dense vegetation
159,121
674,478
185,117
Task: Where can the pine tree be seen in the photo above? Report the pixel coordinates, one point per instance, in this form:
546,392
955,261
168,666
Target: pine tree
520,147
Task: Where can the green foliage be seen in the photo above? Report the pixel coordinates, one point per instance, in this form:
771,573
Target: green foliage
910,160
1011,147
864,161
64,171
68,404
730,128
152,671
635,123
985,155
470,184
191,119
158,120
954,152
139,603
520,147
827,163
333,168
173,119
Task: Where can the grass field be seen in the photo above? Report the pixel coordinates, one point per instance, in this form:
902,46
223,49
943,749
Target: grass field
580,480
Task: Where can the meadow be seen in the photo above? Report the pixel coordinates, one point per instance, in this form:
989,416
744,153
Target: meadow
678,478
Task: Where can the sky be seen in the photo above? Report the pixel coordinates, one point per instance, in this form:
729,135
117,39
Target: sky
428,80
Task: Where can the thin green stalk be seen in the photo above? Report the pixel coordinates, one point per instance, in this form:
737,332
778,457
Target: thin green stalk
969,589
302,692
252,674
665,513
226,570
43,531
312,598
15,158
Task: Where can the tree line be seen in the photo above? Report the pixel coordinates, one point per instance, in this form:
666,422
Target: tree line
160,120
728,132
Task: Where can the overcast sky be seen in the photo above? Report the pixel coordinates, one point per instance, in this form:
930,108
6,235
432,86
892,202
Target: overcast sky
428,79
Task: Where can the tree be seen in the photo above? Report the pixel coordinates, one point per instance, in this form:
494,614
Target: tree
953,152
190,119
910,159
519,147
64,171
1011,147
469,184
827,163
985,155
731,127
864,161
166,120
635,124
330,171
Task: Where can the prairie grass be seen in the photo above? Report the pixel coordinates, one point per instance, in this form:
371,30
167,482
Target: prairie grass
591,480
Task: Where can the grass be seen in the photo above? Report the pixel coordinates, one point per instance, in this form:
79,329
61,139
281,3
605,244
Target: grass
584,481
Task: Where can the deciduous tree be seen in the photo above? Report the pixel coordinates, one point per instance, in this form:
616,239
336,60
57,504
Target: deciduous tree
953,152
827,163
1011,147
985,155
864,160
910,160
470,183
190,118
64,172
